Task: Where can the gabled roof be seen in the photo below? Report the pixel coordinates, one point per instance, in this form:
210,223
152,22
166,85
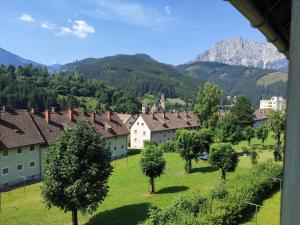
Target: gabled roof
124,117
261,114
169,120
60,120
17,129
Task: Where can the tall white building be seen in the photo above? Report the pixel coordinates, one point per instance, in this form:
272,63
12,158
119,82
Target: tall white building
275,103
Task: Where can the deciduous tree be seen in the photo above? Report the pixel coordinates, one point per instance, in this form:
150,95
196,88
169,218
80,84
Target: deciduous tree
262,133
77,168
152,164
224,157
249,133
229,130
243,110
207,105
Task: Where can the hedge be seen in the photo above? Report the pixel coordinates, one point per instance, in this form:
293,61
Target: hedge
226,204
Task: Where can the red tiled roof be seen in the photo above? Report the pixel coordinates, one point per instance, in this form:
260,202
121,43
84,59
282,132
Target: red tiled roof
169,120
17,129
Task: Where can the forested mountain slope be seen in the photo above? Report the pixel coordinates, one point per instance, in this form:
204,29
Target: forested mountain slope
138,74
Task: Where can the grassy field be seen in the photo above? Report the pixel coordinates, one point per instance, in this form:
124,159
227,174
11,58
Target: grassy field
270,213
128,200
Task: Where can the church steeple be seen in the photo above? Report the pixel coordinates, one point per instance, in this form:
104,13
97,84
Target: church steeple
162,101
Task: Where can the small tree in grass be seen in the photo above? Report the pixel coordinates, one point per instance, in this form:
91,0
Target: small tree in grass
77,168
253,157
223,156
189,144
249,133
152,164
262,133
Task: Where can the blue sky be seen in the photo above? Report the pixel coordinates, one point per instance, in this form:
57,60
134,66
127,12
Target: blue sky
171,31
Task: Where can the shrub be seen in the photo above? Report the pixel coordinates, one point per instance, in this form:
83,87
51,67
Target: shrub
168,146
226,204
253,157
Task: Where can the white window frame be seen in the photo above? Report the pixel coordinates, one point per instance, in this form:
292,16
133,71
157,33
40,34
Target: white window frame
5,157
20,169
6,174
31,167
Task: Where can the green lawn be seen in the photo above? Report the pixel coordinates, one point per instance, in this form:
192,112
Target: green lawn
270,213
128,200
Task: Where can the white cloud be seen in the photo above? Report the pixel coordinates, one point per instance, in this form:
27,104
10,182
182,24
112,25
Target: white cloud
79,28
27,18
168,10
48,25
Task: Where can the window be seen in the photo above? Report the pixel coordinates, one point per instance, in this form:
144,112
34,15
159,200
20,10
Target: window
20,167
32,164
135,131
5,171
122,146
135,140
5,153
144,133
19,151
142,124
115,148
31,148
138,123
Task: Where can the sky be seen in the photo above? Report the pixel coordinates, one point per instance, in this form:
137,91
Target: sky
170,31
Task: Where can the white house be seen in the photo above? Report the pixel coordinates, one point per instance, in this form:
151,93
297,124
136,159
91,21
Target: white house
275,103
160,127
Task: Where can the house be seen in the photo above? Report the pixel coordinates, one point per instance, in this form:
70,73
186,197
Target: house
260,117
51,123
25,137
275,103
21,146
127,119
160,127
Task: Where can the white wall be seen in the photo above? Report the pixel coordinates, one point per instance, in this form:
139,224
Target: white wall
139,133
162,136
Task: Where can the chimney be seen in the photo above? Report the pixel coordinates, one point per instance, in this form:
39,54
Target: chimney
4,108
108,115
164,115
48,115
93,117
53,109
34,111
70,114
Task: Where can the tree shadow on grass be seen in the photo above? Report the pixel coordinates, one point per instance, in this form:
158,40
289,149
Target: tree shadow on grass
125,215
205,169
172,189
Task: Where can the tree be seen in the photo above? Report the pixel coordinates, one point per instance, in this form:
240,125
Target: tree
152,164
253,157
249,133
77,168
243,110
262,133
276,121
228,129
224,157
207,105
206,136
189,144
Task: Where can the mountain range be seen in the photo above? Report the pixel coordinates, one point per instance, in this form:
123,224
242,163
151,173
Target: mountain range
238,66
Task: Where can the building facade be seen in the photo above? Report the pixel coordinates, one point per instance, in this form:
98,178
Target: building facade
160,127
25,137
275,103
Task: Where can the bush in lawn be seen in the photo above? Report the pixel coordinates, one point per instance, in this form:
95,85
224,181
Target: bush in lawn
152,164
169,146
182,211
150,143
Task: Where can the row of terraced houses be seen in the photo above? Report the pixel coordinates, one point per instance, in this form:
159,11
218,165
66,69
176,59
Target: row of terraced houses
25,135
